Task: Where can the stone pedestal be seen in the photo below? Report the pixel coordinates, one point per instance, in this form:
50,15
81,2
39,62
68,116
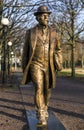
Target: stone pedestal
53,122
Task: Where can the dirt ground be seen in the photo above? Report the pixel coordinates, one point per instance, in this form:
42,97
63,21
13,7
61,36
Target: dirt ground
67,103
12,112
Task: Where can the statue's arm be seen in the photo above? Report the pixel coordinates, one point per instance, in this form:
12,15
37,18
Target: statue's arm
58,54
25,55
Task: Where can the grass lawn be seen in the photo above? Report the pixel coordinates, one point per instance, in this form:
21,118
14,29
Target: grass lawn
67,72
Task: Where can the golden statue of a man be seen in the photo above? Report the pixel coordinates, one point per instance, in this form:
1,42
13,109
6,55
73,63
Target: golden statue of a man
41,58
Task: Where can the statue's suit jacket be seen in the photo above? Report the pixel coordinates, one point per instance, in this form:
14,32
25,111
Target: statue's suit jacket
55,55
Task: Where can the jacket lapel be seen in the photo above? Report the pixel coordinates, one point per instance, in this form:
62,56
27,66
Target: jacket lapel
33,37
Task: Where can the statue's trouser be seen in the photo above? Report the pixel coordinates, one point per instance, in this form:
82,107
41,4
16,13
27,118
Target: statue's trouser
42,92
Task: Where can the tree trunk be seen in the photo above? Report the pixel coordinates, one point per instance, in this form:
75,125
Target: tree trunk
73,60
82,61
1,9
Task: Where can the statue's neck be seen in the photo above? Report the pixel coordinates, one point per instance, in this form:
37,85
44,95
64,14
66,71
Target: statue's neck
43,26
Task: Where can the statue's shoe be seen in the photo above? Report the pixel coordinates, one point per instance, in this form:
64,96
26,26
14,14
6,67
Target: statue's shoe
41,123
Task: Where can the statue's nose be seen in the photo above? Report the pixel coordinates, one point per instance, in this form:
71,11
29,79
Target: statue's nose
46,17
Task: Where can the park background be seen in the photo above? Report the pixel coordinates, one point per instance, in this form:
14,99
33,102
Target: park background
67,18
67,101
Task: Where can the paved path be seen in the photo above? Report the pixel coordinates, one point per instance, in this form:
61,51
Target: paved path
67,101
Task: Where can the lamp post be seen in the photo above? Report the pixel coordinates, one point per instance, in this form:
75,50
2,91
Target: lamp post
5,23
9,45
12,58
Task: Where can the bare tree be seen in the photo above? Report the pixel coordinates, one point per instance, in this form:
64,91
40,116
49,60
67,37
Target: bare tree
69,22
20,15
1,10
66,15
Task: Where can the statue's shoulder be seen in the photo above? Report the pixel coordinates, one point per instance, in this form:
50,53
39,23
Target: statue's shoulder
53,29
31,29
34,28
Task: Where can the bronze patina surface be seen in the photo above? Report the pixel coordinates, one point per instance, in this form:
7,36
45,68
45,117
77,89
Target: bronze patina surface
41,58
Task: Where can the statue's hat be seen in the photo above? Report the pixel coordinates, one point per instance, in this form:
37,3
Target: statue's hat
42,9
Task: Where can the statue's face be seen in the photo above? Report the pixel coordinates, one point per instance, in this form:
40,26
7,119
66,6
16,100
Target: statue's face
43,19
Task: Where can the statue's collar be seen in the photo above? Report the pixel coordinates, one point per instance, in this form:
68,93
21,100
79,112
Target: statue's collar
42,27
